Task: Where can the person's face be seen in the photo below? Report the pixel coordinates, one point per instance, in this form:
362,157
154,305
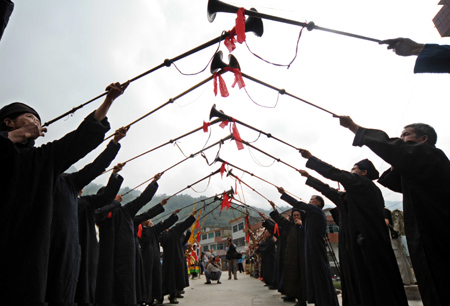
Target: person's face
21,120
314,201
147,223
296,215
356,170
267,234
409,134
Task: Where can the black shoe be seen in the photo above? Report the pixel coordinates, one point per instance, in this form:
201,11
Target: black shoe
158,302
179,296
207,283
288,299
272,288
219,282
173,301
182,292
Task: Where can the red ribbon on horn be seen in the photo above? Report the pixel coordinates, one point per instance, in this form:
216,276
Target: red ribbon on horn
238,79
198,237
223,124
222,86
240,25
237,137
230,41
197,224
222,169
139,233
205,126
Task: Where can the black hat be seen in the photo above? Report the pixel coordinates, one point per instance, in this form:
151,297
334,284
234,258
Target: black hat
366,164
16,109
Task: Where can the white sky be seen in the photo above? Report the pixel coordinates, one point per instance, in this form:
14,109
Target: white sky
55,55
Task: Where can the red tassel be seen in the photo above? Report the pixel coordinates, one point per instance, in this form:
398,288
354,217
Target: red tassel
230,41
222,86
222,169
197,225
240,25
276,230
225,202
247,238
139,233
198,237
223,124
238,79
237,137
109,215
205,126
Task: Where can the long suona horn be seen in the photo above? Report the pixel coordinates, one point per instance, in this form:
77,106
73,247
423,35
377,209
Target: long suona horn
217,63
215,6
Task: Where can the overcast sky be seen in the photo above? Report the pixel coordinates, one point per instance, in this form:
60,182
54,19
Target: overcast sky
55,55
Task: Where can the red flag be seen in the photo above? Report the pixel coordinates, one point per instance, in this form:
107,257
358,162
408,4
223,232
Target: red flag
197,225
198,237
276,230
109,215
205,126
139,233
225,202
237,137
230,41
240,25
222,86
222,169
247,238
223,124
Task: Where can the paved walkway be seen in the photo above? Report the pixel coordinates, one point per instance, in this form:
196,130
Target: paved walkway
246,291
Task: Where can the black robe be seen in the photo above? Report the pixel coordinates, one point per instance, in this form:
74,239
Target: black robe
65,252
266,251
27,188
320,286
422,174
6,9
150,251
87,205
174,268
368,263
141,292
116,283
280,244
293,279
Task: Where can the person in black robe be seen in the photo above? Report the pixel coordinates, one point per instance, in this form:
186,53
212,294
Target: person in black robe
87,279
320,286
149,241
422,173
365,250
266,250
6,9
116,282
65,252
27,188
293,280
141,292
174,268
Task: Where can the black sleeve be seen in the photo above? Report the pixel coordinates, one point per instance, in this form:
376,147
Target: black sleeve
332,194
105,197
296,204
269,225
182,226
6,9
285,224
152,212
134,206
163,225
97,167
267,246
433,58
391,179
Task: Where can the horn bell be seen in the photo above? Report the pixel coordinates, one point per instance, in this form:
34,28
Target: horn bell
217,63
233,62
219,114
220,160
254,24
215,6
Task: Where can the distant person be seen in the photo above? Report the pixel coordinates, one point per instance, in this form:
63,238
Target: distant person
6,9
213,270
430,57
231,258
421,172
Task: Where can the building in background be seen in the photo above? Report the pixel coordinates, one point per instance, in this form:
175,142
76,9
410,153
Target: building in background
442,19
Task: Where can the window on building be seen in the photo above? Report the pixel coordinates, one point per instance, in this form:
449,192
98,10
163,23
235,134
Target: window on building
210,235
205,248
204,236
332,228
241,226
235,228
213,247
220,246
217,233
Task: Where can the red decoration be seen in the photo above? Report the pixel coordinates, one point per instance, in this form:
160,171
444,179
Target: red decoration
205,126
139,233
222,169
197,225
237,137
240,25
276,230
230,41
198,237
223,124
222,86
238,79
109,215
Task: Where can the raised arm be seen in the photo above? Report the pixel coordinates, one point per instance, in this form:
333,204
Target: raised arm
134,206
152,212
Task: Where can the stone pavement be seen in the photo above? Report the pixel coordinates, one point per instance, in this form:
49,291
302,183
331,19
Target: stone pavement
246,291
